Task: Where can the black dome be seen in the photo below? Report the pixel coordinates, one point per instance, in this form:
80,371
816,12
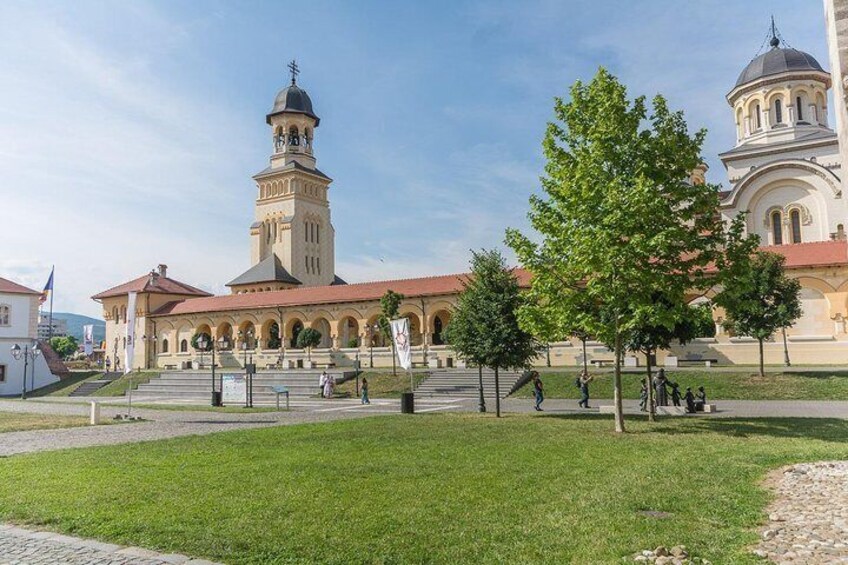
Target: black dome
778,60
293,99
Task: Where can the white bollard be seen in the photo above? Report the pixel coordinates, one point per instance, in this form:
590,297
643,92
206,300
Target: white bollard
95,413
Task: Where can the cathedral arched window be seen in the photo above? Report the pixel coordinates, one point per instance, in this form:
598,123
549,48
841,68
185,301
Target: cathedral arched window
777,228
115,314
795,221
164,346
759,115
294,138
183,346
5,314
778,111
799,107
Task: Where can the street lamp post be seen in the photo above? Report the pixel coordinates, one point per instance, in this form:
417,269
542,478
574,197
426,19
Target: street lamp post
371,342
481,407
27,353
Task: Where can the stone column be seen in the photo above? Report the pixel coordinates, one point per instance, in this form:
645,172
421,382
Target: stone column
813,114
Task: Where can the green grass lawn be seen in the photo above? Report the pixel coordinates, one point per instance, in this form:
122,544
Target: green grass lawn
745,385
199,408
380,384
66,385
16,422
119,386
425,489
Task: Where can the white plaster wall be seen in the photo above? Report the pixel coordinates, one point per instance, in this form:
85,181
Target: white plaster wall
815,318
23,316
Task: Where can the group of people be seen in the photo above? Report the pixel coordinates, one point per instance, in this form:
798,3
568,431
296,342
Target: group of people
582,382
661,383
327,387
108,364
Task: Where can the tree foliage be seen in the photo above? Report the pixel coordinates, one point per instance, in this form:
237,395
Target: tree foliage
758,298
308,338
64,346
621,220
389,308
484,328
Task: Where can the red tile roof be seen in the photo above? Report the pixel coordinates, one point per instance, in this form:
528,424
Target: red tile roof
162,285
336,294
813,254
10,287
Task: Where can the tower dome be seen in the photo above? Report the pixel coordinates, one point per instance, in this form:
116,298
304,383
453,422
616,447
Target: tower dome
295,100
778,60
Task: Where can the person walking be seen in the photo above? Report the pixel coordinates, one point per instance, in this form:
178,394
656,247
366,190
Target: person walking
322,380
538,391
585,379
329,385
660,383
108,363
643,396
364,390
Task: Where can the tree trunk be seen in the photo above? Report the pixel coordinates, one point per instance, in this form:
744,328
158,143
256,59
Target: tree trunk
497,394
762,368
650,388
619,412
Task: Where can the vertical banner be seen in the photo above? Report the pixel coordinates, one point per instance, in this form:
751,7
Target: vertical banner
130,351
400,334
88,339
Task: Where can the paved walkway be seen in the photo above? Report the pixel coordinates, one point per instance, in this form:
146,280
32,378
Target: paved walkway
32,547
164,424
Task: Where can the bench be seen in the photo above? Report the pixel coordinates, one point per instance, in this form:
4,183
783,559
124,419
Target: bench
674,361
170,367
601,362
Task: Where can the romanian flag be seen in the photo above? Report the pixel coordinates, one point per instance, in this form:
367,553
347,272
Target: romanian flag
48,288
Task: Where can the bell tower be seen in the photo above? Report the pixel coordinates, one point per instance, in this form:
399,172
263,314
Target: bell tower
292,237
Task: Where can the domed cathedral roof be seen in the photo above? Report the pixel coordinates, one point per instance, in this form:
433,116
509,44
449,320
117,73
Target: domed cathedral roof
293,99
777,60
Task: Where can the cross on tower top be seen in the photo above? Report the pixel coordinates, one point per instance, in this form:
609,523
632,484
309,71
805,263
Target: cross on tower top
294,71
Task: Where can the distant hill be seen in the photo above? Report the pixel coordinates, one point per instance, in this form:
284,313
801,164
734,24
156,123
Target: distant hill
77,321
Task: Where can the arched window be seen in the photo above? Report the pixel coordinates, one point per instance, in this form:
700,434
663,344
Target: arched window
183,346
307,263
294,138
795,220
5,314
124,346
778,111
799,106
759,114
777,227
115,314
164,346
123,313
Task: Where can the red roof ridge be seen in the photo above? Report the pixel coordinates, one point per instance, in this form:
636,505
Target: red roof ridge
132,286
12,287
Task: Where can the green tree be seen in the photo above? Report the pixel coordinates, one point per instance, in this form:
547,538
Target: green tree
274,336
307,339
484,326
64,346
758,298
389,310
195,339
621,220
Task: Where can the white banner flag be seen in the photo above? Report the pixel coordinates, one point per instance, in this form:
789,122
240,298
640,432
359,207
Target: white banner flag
130,351
88,339
400,335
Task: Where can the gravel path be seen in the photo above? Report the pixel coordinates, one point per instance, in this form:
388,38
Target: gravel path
808,521
31,547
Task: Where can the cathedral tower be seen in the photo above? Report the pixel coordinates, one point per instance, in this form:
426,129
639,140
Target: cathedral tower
292,238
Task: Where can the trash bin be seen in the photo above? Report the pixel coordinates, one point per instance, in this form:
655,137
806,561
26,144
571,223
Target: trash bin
216,398
407,403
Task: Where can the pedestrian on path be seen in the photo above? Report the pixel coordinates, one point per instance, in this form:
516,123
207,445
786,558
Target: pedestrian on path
660,383
322,380
364,390
538,391
329,385
675,393
585,379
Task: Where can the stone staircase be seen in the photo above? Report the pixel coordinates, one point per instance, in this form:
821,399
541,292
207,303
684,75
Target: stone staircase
197,385
464,384
88,387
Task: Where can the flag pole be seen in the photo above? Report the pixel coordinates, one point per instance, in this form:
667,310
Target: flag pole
50,331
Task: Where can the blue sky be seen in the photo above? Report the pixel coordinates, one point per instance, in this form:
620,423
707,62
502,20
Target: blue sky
130,130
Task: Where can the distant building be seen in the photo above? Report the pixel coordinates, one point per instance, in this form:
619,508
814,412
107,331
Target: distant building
60,327
18,326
